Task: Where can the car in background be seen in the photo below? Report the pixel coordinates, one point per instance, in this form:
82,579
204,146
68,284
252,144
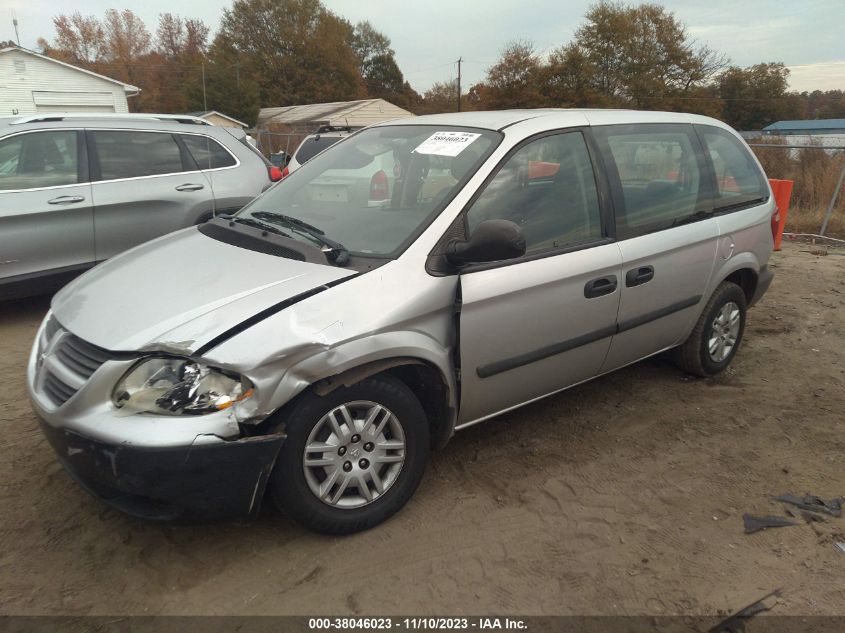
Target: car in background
76,189
313,144
280,159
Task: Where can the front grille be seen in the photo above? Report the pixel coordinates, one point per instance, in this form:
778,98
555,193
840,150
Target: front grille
81,357
56,390
51,328
67,362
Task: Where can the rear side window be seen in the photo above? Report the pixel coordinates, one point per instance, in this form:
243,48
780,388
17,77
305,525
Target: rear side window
312,146
39,159
549,189
208,153
124,154
739,180
660,173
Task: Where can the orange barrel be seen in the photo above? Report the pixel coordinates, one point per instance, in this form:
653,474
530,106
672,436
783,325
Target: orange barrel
783,192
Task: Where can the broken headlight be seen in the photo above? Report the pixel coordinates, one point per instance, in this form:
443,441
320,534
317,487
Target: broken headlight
177,386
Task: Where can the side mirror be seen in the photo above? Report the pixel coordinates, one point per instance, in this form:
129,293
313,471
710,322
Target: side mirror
491,241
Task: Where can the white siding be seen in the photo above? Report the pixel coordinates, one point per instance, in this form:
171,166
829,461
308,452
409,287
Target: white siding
352,113
373,111
29,84
219,121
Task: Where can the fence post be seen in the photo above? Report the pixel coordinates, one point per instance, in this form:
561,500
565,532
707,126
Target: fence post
782,190
829,211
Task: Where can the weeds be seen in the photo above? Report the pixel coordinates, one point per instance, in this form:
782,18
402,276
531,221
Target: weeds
815,173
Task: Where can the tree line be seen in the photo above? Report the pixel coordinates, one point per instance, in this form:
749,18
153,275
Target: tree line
291,52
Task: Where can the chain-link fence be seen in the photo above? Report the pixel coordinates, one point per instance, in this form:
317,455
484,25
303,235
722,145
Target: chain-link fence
817,167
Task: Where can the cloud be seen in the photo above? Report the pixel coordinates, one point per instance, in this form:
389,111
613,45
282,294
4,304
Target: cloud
819,76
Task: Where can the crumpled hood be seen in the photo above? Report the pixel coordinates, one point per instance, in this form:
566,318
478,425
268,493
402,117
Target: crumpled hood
180,291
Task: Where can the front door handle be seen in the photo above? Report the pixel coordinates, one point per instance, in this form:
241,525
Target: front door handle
189,186
66,200
637,276
600,287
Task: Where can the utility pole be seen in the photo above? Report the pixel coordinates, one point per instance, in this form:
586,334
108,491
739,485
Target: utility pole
204,101
15,23
460,59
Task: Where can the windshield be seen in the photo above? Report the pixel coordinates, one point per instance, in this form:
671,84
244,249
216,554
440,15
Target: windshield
378,190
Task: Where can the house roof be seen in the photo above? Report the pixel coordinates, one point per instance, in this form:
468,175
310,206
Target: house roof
206,113
130,90
352,113
815,125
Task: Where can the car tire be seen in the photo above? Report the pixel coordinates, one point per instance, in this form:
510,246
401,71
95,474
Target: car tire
354,473
717,334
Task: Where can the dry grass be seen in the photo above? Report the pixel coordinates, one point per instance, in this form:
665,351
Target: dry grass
815,173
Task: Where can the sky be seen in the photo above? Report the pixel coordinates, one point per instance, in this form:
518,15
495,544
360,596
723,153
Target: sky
430,36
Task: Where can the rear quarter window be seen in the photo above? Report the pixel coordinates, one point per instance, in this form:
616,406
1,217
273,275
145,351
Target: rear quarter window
739,181
208,153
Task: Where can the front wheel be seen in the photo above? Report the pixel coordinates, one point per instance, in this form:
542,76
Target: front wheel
352,458
717,334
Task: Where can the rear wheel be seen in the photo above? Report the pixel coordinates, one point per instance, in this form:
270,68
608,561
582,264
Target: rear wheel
717,334
352,458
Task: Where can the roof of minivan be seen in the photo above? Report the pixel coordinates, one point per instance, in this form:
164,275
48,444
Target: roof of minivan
500,119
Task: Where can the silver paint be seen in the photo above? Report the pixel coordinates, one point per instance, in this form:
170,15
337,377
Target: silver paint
179,292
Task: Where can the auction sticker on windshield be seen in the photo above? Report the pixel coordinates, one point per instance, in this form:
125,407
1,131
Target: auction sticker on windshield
446,143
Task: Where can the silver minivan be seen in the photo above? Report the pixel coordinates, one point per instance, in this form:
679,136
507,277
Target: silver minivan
76,189
315,347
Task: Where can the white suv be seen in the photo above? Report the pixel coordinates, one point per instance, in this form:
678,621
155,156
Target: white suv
313,144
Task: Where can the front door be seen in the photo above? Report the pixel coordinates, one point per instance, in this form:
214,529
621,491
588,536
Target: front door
46,217
535,325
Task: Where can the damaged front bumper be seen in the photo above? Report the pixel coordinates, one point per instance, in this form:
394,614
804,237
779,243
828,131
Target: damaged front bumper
153,466
204,480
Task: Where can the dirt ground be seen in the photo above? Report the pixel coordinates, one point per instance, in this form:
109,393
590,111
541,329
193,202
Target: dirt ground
621,496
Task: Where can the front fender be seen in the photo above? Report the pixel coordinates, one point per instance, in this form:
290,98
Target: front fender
331,361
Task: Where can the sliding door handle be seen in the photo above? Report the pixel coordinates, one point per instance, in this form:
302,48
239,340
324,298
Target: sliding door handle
637,276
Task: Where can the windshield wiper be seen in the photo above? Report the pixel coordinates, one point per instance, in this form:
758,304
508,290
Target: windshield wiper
264,226
269,215
336,251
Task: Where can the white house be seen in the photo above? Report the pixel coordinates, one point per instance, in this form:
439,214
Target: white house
31,83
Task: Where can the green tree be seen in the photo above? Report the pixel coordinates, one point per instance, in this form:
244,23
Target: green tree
79,40
378,67
829,104
642,56
296,50
756,96
127,41
367,44
514,81
228,89
441,97
568,80
180,50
